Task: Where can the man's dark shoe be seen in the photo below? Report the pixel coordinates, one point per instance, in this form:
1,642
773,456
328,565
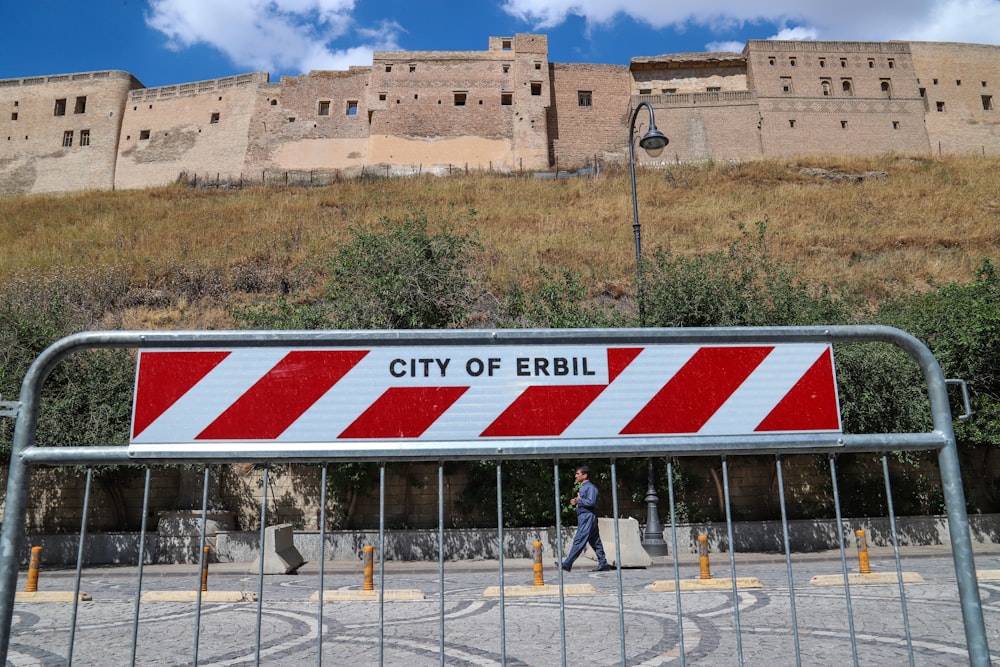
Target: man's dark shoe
566,568
602,568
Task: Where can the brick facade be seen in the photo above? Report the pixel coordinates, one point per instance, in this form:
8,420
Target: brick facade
959,87
506,108
60,133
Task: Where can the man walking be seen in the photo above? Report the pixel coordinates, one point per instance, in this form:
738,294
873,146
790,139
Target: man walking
586,523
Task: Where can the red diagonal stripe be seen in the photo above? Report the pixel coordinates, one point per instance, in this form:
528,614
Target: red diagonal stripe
543,410
282,395
549,410
163,377
697,390
811,404
403,412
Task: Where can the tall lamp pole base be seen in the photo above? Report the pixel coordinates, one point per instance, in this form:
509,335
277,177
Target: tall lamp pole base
652,535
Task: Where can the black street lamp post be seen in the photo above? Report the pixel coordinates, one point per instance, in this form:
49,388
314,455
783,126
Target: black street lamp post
653,142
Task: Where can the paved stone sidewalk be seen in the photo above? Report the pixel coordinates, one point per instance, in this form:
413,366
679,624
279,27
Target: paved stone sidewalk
522,630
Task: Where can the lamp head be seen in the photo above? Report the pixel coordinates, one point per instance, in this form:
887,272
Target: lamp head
653,142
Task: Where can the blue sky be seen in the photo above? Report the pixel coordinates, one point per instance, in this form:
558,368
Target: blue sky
173,41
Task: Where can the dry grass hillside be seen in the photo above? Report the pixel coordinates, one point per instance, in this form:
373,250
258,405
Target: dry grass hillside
884,226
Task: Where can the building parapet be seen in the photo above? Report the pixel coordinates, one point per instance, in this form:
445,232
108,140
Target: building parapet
198,87
719,98
66,78
825,47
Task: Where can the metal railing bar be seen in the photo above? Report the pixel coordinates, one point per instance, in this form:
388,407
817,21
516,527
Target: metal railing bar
559,560
260,562
788,559
139,566
322,565
441,561
489,449
381,563
899,565
503,624
732,560
79,565
843,559
534,448
618,559
480,337
677,575
201,560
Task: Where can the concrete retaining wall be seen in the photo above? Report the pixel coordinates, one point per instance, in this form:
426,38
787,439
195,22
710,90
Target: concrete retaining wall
417,545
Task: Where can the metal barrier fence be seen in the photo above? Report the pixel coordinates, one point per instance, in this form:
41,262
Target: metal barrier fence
233,441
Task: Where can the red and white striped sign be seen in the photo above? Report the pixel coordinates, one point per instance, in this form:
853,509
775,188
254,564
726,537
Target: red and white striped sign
464,393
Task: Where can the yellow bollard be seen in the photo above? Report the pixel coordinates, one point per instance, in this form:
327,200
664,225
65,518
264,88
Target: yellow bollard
539,579
706,572
864,567
31,586
369,584
204,570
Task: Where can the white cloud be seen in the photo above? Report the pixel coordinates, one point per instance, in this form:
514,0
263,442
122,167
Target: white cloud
735,47
271,35
932,20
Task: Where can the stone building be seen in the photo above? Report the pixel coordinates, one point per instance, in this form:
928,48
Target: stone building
505,109
60,133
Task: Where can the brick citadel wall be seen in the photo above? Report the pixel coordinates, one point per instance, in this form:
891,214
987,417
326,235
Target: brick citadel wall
506,108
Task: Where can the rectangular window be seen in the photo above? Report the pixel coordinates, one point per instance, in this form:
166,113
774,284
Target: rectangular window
413,68
822,62
352,107
871,63
324,108
669,91
940,107
505,68
791,123
60,109
505,45
713,89
382,96
84,137
143,135
645,91
460,99
892,63
584,97
67,138
843,124
506,99
81,105
895,124
786,84
13,115
843,63
987,103
536,88
214,118
388,68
